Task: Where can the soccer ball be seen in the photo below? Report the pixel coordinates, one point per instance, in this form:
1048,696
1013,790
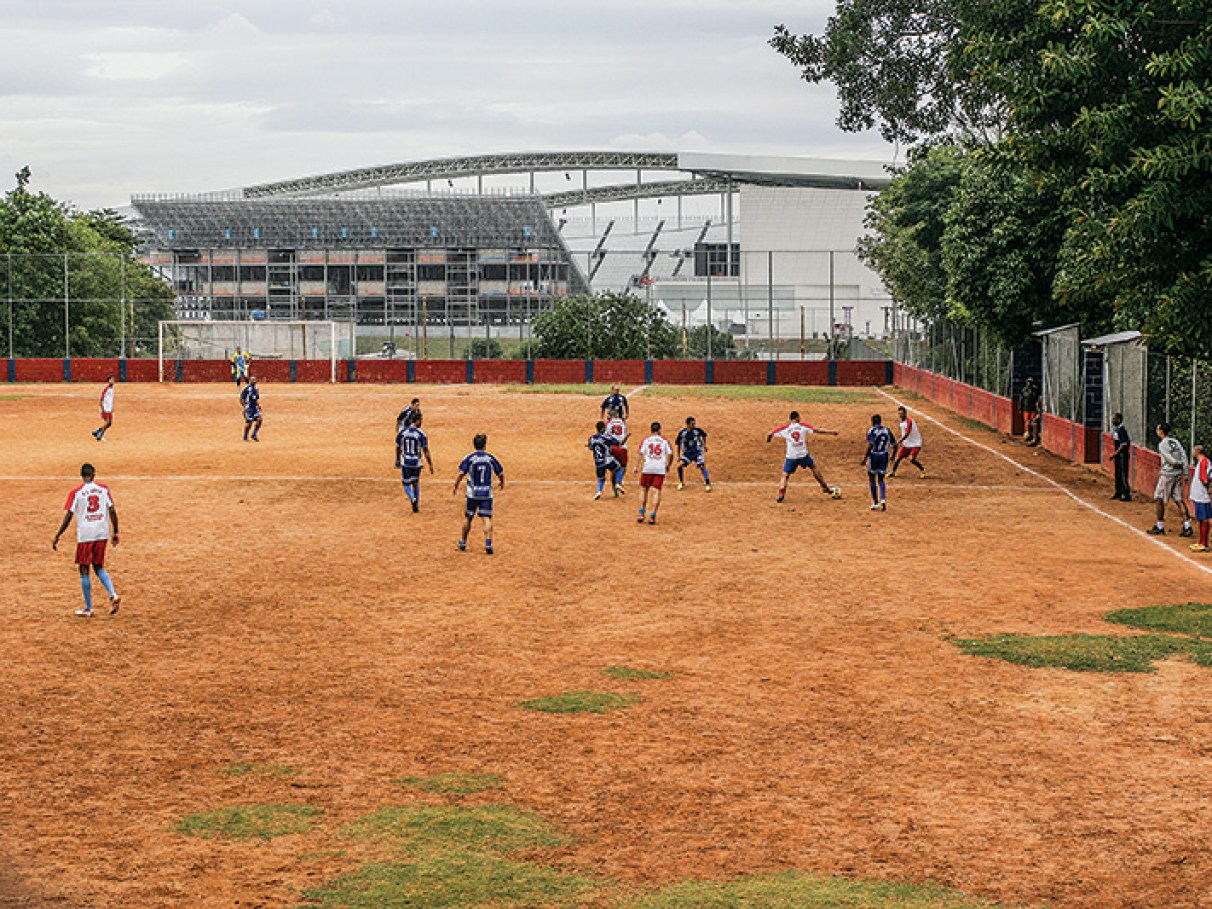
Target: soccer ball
836,492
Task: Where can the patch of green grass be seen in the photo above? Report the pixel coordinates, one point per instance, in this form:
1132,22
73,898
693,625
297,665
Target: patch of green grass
14,397
455,783
1082,652
627,672
426,829
581,702
973,425
1189,618
794,890
271,770
459,880
249,822
593,390
807,394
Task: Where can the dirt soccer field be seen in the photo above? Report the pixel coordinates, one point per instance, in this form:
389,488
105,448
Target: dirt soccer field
292,637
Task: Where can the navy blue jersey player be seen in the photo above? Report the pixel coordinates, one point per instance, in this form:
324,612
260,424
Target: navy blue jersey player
602,444
478,469
880,446
691,443
250,403
615,401
411,446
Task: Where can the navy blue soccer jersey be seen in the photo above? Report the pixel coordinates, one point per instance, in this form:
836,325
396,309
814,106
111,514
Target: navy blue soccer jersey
480,467
880,439
615,402
691,441
600,443
250,397
412,441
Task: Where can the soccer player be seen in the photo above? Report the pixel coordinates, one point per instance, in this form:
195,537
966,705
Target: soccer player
1201,479
616,428
910,445
604,461
250,401
93,508
406,413
107,409
478,469
241,362
658,456
796,434
411,446
879,441
615,401
1170,482
691,444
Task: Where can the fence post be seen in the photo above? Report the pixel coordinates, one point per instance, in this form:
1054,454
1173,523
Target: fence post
1194,371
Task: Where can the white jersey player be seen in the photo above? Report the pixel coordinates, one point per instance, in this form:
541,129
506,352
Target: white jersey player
657,455
910,443
796,434
93,508
107,409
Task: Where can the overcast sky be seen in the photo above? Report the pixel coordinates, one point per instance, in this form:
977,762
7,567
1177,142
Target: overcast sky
105,98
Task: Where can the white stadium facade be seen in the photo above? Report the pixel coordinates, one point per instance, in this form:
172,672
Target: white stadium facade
761,246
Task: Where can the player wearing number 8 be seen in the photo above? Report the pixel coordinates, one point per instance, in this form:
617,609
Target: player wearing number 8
93,508
796,434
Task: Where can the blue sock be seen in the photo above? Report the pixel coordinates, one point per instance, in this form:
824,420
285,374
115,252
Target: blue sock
411,491
706,477
883,490
641,512
601,483
106,581
871,483
488,542
86,584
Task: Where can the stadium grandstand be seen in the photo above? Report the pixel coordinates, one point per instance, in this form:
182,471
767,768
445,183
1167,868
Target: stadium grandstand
494,239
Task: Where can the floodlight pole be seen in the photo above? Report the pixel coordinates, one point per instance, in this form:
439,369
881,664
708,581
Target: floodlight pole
67,341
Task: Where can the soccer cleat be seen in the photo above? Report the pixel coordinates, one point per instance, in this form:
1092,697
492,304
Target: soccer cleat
875,506
836,492
597,495
708,487
681,485
1155,531
101,439
487,550
1198,547
416,506
461,545
84,613
781,496
1186,532
617,491
640,519
921,475
113,603
883,506
652,520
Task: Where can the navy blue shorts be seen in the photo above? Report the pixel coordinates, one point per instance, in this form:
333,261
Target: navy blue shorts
482,507
877,462
688,457
410,475
791,465
603,469
250,415
1203,511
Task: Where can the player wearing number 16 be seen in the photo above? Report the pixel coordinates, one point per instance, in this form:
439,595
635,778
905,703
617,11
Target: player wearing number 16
657,455
796,434
93,508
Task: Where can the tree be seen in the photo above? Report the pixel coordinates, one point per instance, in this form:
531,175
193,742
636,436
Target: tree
49,252
607,326
705,340
485,349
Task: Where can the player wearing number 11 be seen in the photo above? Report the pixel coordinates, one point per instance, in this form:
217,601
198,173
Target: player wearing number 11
93,508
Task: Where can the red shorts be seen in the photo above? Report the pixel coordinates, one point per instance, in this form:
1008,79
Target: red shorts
620,454
909,453
653,480
91,553
107,415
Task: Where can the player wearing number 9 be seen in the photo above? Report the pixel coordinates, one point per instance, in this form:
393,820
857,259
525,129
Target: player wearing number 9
93,508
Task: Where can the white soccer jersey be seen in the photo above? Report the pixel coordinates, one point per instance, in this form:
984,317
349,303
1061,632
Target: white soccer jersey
107,399
1201,477
796,436
90,503
656,451
911,436
617,430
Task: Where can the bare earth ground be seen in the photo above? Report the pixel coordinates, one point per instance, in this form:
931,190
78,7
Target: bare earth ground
282,606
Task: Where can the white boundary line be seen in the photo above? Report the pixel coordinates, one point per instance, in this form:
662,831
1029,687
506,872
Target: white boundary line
1080,501
635,391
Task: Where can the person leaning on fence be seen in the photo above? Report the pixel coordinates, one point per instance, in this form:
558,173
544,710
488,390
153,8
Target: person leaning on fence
1170,481
1121,457
1029,401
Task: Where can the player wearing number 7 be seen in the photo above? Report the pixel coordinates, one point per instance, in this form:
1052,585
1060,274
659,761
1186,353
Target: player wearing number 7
796,434
93,508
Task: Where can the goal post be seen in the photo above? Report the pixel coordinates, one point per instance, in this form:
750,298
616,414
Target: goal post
189,339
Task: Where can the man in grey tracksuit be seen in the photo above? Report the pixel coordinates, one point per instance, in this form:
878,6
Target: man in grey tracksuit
1170,481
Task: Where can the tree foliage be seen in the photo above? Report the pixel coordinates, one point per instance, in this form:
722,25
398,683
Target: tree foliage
98,272
606,326
1087,181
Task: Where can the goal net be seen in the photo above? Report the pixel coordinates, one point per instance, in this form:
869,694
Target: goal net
262,340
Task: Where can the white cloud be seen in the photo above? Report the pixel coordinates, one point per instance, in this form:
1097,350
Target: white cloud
118,65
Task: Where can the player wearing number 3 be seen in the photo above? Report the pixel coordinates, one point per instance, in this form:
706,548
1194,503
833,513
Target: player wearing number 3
93,508
796,434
